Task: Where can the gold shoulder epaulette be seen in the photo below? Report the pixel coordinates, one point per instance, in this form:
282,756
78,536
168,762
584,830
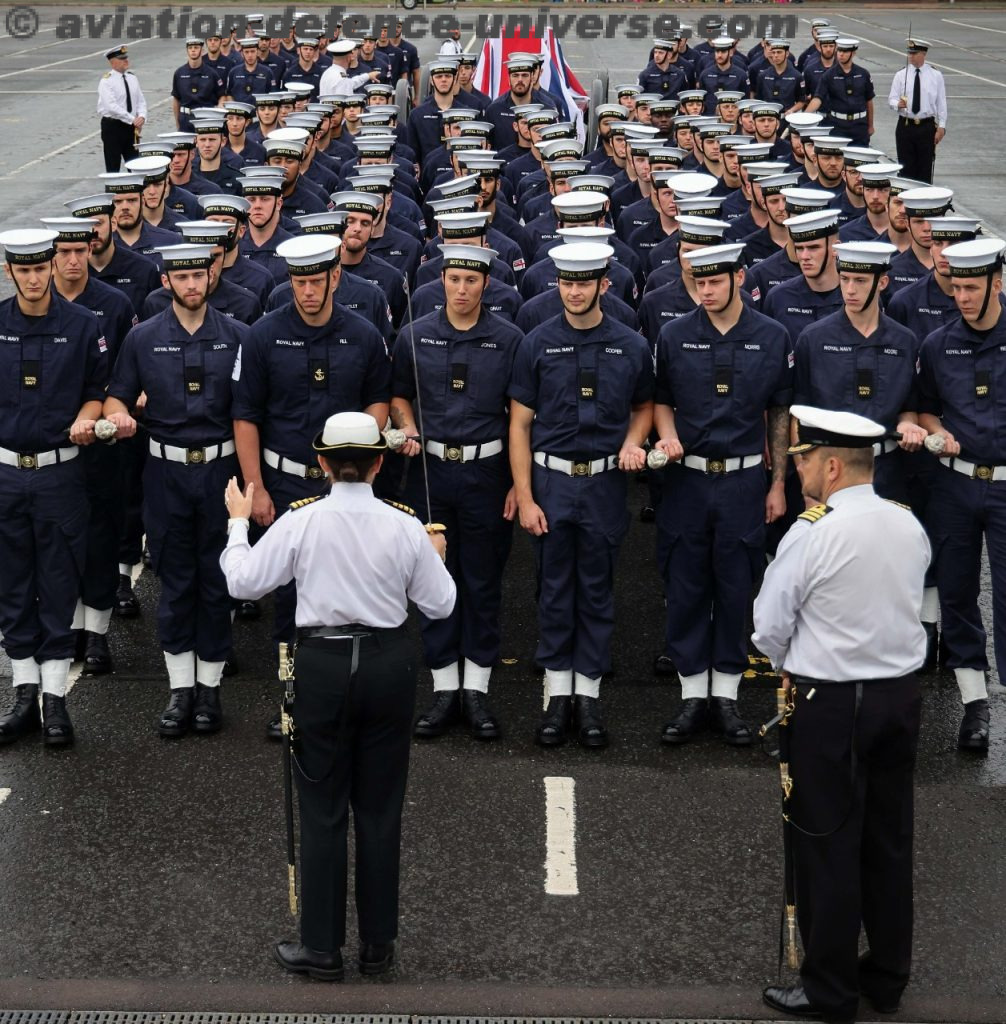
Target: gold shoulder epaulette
814,513
399,506
300,503
907,508
107,74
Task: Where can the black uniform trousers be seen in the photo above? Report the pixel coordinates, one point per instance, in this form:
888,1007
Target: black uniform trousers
916,142
133,452
853,769
352,751
103,470
118,141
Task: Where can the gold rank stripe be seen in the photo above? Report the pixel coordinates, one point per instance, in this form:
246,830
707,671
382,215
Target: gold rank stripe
301,502
814,513
396,504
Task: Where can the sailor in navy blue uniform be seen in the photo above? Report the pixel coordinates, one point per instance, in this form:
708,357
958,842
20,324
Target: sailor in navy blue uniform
581,407
238,117
459,359
194,84
602,159
724,383
829,155
299,195
182,359
251,77
214,163
767,196
962,384
103,462
851,200
722,74
916,261
814,292
780,81
425,129
233,211
845,94
306,68
860,360
55,365
131,230
264,234
134,275
520,70
874,224
661,76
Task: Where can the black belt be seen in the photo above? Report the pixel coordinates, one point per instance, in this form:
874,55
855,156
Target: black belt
809,681
354,631
916,121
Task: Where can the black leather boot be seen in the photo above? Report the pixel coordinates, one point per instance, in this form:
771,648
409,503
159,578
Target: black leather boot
441,715
974,731
481,721
97,657
207,715
587,712
126,604
23,717
57,729
723,717
177,716
376,957
554,725
691,720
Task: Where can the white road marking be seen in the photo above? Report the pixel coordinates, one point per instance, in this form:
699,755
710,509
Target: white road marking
468,45
967,24
4,793
560,837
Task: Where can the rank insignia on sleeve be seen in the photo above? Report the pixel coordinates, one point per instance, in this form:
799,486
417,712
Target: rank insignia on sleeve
301,502
399,506
814,513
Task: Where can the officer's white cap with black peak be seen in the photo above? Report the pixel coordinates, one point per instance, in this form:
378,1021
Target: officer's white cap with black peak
467,257
71,229
930,199
350,435
341,47
572,207
581,261
120,50
807,227
826,428
864,257
309,254
715,259
917,45
976,258
185,256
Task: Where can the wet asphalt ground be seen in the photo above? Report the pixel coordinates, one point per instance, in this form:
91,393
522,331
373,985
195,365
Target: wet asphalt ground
144,874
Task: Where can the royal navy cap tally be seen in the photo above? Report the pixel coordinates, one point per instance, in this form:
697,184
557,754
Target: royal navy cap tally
237,107
728,96
467,257
185,256
806,200
248,43
224,204
702,231
954,229
122,183
715,259
467,184
615,110
723,43
778,43
754,152
765,108
28,246
581,261
204,232
691,94
482,128
267,99
261,184
521,62
628,90
443,66
857,155
829,145
71,229
662,44
454,204
976,258
194,41
560,149
864,257
462,225
91,206
828,35
878,175
178,140
309,254
283,147
819,23
358,202
539,118
591,183
209,126
330,222
566,168
578,207
825,428
155,149
807,227
699,206
481,163
117,52
378,185
664,105
350,435
930,200
773,184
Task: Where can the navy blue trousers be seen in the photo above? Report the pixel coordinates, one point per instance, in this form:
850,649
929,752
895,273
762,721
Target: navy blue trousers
103,471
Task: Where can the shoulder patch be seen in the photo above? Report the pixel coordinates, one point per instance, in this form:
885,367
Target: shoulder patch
814,513
107,74
907,508
398,505
300,503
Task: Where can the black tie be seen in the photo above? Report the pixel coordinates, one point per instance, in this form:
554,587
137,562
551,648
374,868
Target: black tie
129,99
917,92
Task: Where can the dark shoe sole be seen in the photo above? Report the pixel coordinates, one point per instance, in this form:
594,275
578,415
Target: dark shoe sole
594,742
58,741
424,732
312,972
370,968
170,733
981,747
549,741
97,670
207,730
677,741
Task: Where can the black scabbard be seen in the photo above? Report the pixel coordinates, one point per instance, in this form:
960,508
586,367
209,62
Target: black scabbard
286,718
787,931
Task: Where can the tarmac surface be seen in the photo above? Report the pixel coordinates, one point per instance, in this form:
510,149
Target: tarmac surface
141,874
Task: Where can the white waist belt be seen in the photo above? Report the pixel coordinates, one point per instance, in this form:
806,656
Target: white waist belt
885,447
975,470
571,468
849,117
722,465
190,456
37,460
285,465
464,452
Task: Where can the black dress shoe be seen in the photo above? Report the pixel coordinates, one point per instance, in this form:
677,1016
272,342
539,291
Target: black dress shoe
723,717
376,957
126,604
57,729
974,731
663,666
554,725
207,715
441,715
882,1004
481,721
647,514
691,720
587,714
793,1000
932,646
23,717
248,611
97,657
274,729
298,958
177,716
230,666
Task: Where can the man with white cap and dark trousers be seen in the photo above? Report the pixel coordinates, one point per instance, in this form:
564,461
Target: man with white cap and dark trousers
52,391
919,96
838,617
356,563
122,109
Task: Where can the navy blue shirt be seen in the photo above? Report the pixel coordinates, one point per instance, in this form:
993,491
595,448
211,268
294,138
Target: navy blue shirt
786,88
552,362
922,307
713,80
548,304
543,277
50,365
252,276
760,279
265,254
859,229
500,299
136,276
390,280
962,379
292,376
905,270
197,87
842,93
295,73
356,294
463,376
115,313
150,239
667,83
720,385
837,368
242,83
187,378
227,298
796,306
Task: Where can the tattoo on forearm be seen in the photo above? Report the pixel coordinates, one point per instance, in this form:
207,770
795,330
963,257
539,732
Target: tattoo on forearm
778,440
